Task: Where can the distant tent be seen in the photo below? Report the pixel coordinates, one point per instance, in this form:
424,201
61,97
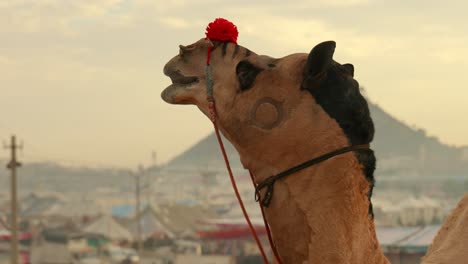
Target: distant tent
150,225
4,232
50,253
232,233
391,236
408,239
6,235
181,220
55,236
125,210
420,241
206,259
44,252
40,204
108,227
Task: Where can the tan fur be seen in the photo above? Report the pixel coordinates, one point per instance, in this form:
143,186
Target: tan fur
451,243
319,215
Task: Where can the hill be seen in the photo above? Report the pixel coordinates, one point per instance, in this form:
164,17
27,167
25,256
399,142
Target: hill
400,150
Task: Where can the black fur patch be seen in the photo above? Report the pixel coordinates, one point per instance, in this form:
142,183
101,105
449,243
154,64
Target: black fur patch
339,95
246,74
236,50
224,48
367,158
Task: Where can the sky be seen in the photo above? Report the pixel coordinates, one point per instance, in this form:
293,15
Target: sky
80,81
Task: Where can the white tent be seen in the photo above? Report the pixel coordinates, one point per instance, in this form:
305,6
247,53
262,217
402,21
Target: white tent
209,259
150,225
108,227
4,232
50,253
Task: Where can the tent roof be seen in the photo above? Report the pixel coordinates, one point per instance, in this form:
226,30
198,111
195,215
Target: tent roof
408,238
150,224
108,227
423,238
392,235
181,218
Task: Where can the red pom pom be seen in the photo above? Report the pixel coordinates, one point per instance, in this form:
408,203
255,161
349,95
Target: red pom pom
222,30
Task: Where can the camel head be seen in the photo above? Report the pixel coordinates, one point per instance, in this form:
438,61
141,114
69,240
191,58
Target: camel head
260,97
276,112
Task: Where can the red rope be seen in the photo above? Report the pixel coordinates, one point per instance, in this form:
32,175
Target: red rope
208,55
233,182
267,227
212,110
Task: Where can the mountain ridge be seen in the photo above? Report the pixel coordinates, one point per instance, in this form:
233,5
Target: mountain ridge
399,149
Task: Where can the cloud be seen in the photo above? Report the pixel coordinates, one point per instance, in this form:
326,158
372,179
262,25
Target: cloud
5,61
346,3
332,3
63,17
114,50
175,22
290,34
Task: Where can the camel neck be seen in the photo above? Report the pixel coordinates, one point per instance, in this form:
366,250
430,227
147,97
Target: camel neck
320,215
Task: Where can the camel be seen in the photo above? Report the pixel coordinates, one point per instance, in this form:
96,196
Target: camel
451,243
278,113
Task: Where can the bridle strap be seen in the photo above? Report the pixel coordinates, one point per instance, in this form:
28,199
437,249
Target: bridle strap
267,228
270,181
212,115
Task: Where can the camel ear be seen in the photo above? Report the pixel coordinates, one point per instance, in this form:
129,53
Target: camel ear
349,68
320,58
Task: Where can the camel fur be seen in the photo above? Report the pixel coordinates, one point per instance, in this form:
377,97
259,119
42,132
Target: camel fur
280,112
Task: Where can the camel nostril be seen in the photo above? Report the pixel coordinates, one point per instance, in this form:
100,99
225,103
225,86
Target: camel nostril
184,49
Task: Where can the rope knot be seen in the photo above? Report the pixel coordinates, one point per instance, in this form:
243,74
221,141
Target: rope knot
266,200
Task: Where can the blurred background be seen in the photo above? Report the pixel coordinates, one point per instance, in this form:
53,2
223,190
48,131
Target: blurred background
110,173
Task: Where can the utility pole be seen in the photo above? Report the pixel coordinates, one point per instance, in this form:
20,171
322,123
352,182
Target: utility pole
154,158
147,188
139,173
12,165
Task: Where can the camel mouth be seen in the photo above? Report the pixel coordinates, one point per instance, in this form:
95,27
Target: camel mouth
179,91
180,79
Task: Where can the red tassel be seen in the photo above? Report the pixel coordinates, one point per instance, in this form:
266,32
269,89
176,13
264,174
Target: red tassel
222,30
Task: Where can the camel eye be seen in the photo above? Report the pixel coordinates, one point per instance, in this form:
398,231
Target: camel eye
246,74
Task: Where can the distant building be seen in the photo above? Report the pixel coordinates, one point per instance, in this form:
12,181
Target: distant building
464,155
409,211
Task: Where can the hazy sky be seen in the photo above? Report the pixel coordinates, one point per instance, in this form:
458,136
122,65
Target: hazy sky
80,81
